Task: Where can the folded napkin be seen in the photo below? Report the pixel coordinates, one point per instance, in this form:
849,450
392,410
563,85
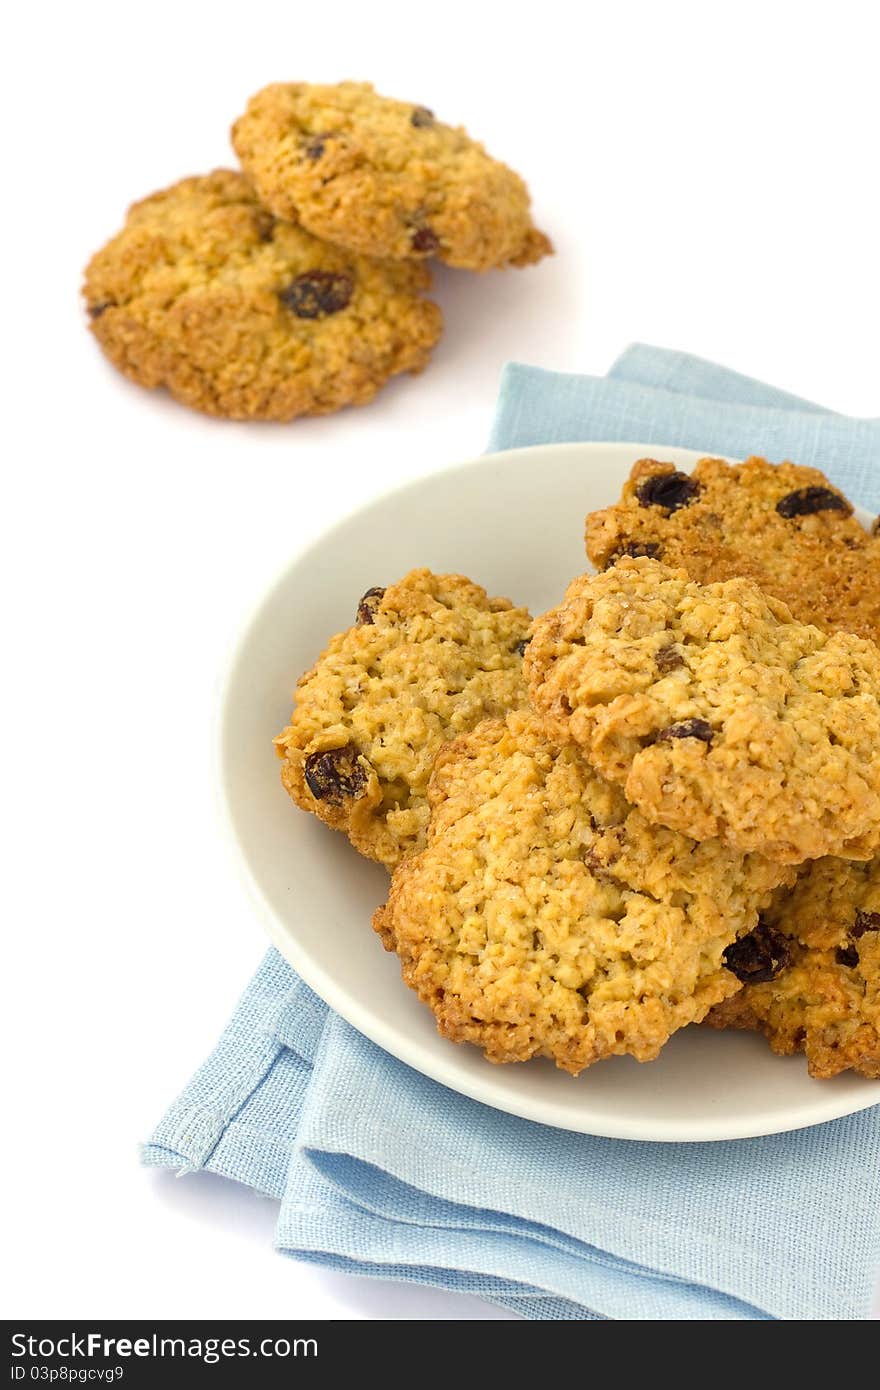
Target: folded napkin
554,1225
671,398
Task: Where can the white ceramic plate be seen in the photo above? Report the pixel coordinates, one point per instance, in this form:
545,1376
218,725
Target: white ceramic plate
514,523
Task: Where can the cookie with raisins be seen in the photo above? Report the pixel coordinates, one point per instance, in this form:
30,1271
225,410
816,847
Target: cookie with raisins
784,527
718,714
427,659
546,917
245,316
383,177
822,995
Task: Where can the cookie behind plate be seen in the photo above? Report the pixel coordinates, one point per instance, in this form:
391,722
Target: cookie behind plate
383,177
242,315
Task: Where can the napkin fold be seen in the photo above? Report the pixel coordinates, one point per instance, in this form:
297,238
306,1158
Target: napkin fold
382,1172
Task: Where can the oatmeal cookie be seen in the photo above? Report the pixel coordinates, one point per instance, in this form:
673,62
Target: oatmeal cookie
718,714
384,177
547,917
428,659
822,996
784,527
245,316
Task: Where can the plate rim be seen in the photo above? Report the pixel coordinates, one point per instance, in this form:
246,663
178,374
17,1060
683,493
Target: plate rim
411,1052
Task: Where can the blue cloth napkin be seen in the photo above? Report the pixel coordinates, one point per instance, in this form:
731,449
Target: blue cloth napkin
554,1225
665,397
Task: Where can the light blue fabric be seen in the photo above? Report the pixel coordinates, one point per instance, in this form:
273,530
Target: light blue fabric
732,415
382,1172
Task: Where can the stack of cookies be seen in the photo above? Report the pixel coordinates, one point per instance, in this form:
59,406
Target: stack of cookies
297,285
656,804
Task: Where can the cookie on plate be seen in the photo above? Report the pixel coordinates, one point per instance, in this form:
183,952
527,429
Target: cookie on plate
816,986
428,658
245,316
384,177
784,527
718,714
547,918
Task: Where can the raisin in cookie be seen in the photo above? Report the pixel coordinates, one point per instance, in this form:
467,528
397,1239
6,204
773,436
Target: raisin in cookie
428,659
717,713
784,527
547,918
241,315
384,177
821,992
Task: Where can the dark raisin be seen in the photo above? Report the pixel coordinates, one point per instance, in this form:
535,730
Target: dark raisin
425,241
669,490
847,955
808,500
317,293
366,611
265,224
422,116
688,728
669,659
634,549
520,647
317,144
96,310
865,921
335,775
758,957
875,529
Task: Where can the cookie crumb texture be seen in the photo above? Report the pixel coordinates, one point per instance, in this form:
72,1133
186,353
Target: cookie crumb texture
782,526
766,735
547,918
384,177
827,1002
428,659
242,315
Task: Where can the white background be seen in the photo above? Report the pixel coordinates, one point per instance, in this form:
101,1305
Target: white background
709,176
